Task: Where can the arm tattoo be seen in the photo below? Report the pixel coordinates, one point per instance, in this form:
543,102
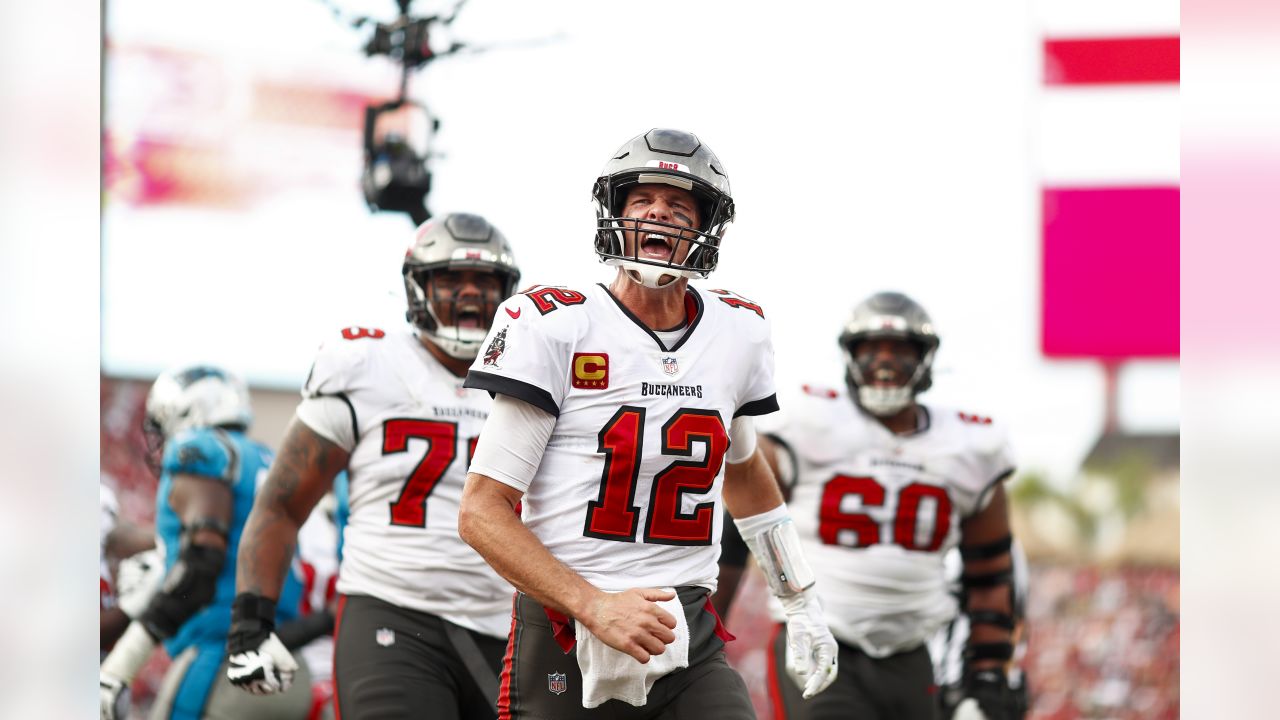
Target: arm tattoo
299,477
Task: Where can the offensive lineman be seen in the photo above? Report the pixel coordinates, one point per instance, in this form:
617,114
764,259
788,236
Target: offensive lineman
882,487
622,416
422,620
209,471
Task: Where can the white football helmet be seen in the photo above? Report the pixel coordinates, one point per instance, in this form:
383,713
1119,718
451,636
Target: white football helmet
456,242
196,396
670,157
888,315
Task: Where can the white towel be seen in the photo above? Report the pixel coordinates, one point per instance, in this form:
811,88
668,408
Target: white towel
609,674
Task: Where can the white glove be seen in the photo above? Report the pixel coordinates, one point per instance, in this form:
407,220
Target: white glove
267,669
968,709
137,580
811,649
113,695
120,667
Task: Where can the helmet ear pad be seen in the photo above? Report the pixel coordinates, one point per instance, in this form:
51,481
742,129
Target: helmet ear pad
415,289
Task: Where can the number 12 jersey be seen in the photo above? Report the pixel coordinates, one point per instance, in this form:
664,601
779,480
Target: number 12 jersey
628,490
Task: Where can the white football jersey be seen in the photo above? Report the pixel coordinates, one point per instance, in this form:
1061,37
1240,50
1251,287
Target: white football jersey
415,428
877,512
628,492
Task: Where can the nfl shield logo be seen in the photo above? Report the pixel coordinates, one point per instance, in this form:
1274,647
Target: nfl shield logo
385,637
557,683
669,366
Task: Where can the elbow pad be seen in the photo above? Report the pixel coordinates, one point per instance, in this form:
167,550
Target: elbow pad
775,544
189,586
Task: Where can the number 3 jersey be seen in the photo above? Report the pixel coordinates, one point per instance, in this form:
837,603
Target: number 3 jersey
877,512
411,430
628,490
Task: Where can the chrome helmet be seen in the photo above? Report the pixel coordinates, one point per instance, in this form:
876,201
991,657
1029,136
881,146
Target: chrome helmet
675,158
888,315
191,397
456,242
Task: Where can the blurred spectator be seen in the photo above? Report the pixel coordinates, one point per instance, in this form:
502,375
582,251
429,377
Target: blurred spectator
1103,643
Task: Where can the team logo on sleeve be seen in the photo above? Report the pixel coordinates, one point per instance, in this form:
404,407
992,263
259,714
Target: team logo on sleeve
497,346
557,683
670,366
192,455
590,371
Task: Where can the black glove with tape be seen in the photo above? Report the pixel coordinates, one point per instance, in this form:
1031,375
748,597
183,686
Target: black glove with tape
257,662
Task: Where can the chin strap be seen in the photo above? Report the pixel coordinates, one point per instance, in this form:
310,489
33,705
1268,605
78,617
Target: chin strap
649,276
883,402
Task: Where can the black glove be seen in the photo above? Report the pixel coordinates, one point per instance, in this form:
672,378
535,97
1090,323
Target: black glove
257,662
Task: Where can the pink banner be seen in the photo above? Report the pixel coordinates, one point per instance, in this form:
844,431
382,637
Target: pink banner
1110,272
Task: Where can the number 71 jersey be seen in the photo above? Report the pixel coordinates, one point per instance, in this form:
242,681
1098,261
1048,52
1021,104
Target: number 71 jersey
628,490
412,429
877,512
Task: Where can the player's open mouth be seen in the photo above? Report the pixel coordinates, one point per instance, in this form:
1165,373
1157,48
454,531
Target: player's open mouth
469,317
656,246
885,377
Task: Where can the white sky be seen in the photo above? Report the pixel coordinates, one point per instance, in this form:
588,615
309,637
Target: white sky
869,146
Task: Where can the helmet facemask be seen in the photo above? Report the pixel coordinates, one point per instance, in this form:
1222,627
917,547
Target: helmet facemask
892,316
456,243
454,322
695,251
152,444
662,157
880,400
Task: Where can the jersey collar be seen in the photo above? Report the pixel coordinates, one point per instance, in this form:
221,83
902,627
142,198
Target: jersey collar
693,312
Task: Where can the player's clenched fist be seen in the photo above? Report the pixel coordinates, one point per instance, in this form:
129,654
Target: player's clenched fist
631,622
257,661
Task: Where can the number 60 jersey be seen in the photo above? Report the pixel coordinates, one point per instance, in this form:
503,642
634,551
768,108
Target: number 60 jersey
877,512
411,431
628,491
